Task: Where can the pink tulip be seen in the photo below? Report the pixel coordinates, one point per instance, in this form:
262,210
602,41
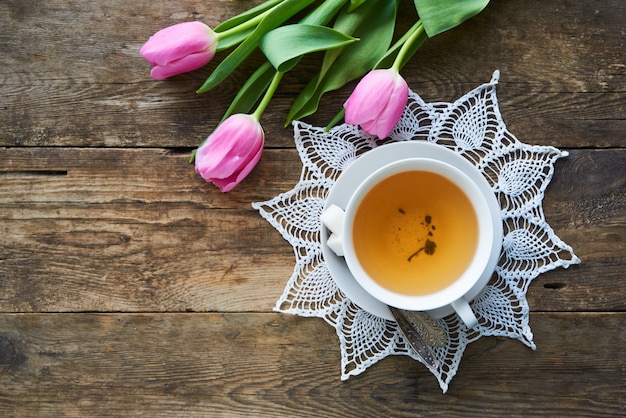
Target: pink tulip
230,153
377,102
179,49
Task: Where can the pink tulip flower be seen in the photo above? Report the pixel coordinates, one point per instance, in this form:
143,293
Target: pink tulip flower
179,49
230,153
377,102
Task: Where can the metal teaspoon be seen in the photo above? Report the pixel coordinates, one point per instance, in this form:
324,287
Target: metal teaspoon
412,334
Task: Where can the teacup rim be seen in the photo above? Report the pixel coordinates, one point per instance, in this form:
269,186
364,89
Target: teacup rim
472,274
356,170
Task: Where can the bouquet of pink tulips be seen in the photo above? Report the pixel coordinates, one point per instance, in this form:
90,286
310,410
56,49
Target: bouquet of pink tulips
356,36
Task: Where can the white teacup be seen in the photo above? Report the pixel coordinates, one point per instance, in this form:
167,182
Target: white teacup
417,234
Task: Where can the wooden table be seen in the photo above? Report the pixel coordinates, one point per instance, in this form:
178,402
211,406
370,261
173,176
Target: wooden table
131,287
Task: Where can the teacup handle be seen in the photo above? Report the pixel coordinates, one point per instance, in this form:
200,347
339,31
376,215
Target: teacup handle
462,308
333,218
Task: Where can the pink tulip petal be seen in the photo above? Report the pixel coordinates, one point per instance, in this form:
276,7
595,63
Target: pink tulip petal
369,126
231,146
370,95
249,166
164,54
377,103
388,119
183,65
176,41
171,46
226,185
231,152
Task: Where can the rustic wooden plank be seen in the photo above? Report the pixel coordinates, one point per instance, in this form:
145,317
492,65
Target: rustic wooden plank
136,230
587,209
131,287
568,43
67,83
276,365
104,175
132,230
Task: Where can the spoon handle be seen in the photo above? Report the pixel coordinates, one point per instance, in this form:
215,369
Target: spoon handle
428,328
414,338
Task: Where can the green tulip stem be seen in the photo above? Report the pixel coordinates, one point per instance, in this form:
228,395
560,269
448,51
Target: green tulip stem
248,24
268,95
418,30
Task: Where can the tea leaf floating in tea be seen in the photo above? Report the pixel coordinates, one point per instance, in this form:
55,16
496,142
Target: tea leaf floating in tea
428,248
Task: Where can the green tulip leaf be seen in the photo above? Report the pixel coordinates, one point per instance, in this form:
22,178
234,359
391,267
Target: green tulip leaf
246,16
252,90
324,13
285,43
277,16
354,4
441,15
230,41
373,23
390,57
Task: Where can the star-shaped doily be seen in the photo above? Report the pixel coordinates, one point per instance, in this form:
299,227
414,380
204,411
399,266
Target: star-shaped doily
518,173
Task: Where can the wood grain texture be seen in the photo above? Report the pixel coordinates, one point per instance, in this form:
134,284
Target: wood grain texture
276,365
126,230
132,288
64,83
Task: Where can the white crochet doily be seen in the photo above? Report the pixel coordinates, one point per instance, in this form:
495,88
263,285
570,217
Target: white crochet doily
518,173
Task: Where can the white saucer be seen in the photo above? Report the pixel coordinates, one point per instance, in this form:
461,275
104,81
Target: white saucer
357,172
